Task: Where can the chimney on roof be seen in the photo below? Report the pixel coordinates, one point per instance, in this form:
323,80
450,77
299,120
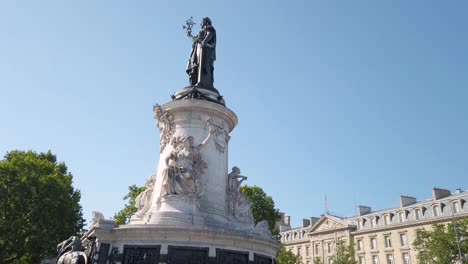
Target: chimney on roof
362,210
406,200
314,220
438,193
284,222
305,222
458,191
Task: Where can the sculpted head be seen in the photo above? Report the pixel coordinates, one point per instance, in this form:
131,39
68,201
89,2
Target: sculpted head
206,21
188,141
236,170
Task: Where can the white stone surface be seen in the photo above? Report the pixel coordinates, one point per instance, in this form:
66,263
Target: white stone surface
195,118
186,200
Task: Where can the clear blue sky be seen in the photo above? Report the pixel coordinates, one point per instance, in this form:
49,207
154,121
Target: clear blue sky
361,100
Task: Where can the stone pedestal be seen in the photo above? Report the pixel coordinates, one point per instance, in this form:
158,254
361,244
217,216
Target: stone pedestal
190,212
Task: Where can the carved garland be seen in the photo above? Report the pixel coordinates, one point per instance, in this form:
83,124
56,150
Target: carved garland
165,124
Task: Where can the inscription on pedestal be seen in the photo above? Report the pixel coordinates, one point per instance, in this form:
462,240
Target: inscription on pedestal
141,254
187,255
103,253
259,259
231,257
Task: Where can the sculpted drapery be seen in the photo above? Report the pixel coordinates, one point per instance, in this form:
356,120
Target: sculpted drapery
202,56
184,166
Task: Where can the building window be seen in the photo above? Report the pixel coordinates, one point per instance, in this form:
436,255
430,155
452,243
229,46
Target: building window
307,251
360,245
402,217
375,259
361,260
298,251
406,259
329,248
389,259
456,207
316,249
388,242
403,239
373,222
436,210
417,214
373,242
360,224
387,219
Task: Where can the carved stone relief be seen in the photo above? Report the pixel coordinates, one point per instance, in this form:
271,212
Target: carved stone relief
165,124
185,165
221,136
262,228
143,200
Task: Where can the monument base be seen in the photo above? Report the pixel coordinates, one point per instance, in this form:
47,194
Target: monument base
180,245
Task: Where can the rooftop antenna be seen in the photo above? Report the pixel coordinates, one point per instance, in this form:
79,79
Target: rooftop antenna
326,205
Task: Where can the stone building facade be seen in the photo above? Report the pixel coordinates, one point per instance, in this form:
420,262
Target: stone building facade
380,237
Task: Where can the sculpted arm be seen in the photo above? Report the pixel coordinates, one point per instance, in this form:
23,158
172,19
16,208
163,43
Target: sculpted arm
208,37
206,140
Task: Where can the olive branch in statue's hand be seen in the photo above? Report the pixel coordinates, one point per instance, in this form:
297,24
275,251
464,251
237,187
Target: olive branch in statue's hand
188,27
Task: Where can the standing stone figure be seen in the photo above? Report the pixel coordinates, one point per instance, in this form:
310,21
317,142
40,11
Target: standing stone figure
200,65
236,198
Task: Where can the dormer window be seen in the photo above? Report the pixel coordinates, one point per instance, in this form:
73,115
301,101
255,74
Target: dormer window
417,214
401,217
436,210
456,207
387,219
373,222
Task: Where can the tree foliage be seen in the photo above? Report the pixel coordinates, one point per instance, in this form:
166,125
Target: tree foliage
285,256
439,245
317,260
38,206
263,206
344,253
123,216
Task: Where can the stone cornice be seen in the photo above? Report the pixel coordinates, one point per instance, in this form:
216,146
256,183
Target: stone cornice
199,106
414,223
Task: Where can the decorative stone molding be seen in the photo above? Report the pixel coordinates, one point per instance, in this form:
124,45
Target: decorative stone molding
165,124
203,107
221,136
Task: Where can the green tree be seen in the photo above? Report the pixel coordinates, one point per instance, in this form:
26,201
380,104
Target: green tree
263,206
38,206
344,253
317,260
439,245
123,216
285,256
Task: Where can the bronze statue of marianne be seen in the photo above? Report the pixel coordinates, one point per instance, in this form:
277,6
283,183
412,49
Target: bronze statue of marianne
200,65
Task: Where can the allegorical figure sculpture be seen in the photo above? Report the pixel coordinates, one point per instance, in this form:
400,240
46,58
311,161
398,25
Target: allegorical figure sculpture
184,166
143,200
238,205
200,65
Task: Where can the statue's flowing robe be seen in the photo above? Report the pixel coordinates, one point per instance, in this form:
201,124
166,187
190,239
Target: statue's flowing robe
200,65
